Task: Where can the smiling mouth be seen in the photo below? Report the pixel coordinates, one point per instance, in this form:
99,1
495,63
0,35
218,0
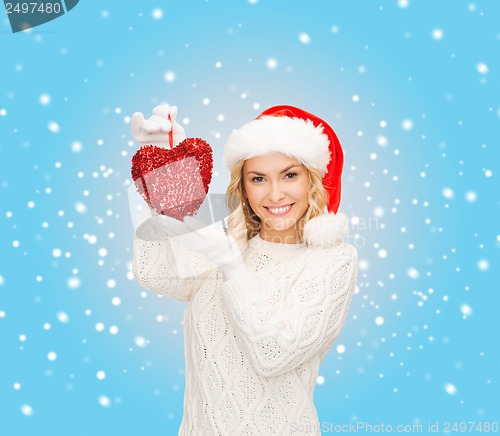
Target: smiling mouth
277,211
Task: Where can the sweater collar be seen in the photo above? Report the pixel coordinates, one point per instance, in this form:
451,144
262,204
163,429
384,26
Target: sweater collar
257,243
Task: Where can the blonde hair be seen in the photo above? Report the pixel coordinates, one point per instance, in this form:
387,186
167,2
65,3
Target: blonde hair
243,223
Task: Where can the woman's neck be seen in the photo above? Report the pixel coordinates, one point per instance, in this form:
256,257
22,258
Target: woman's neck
280,239
277,247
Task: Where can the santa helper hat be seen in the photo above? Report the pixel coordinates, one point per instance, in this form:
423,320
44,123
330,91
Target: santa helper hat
307,138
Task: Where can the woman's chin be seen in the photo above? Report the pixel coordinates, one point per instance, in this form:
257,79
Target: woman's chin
279,224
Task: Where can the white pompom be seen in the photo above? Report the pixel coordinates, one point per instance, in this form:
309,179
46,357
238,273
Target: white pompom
326,230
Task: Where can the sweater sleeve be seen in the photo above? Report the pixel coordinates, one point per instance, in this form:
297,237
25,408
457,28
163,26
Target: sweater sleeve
163,266
311,317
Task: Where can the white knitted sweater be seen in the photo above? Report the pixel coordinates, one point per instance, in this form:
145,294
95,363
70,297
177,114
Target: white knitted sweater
253,344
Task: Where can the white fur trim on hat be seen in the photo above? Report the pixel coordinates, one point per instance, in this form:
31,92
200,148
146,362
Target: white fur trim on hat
295,137
326,230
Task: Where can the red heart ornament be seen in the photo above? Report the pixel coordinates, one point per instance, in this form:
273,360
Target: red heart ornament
174,182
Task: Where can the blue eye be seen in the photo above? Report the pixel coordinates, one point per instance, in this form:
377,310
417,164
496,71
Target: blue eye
293,176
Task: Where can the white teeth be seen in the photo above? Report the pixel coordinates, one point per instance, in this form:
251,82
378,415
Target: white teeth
280,209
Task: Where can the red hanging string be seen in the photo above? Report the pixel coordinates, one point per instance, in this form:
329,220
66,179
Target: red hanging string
171,133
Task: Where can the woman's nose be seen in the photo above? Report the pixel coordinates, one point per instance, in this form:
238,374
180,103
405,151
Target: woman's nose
276,193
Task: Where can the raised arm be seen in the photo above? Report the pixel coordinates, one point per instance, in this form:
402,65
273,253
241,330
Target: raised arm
164,266
159,263
309,320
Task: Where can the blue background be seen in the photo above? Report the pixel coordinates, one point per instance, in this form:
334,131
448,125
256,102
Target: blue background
421,340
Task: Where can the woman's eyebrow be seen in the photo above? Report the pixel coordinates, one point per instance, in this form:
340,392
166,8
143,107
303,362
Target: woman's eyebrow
284,171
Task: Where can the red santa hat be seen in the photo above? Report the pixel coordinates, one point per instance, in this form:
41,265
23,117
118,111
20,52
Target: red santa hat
310,140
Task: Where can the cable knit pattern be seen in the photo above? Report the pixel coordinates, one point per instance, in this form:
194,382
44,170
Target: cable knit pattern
164,266
254,344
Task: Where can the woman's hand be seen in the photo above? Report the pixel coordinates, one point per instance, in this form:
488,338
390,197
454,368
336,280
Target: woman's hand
155,130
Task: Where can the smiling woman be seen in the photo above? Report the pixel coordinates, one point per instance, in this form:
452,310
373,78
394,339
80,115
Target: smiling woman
264,312
278,196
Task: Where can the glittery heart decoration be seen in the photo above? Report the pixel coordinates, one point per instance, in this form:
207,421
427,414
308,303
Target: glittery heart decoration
174,182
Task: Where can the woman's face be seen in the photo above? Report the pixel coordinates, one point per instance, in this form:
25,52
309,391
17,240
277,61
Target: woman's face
276,187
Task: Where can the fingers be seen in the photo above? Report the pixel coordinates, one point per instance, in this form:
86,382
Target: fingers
164,125
155,125
158,122
161,110
135,125
160,119
155,130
